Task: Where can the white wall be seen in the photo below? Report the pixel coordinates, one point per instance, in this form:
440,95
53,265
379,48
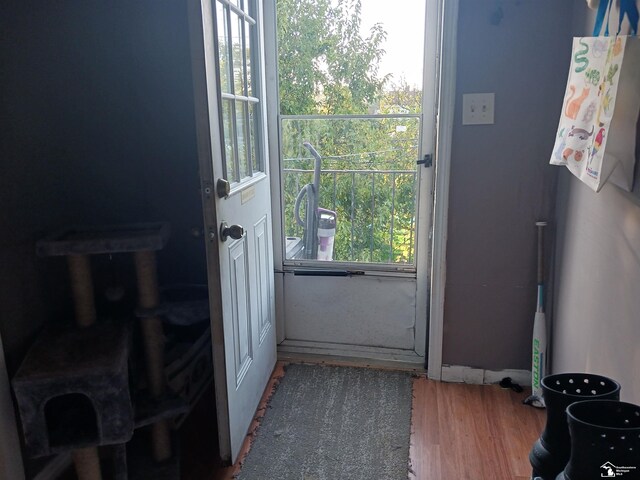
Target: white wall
596,328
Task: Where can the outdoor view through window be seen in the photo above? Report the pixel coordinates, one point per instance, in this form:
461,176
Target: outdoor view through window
350,80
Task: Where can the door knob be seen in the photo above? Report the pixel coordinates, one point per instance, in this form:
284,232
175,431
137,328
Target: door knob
234,231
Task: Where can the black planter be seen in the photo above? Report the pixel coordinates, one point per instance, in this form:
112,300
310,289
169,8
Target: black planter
605,440
550,453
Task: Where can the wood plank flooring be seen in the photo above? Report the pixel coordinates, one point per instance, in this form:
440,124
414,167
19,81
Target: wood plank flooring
458,432
471,432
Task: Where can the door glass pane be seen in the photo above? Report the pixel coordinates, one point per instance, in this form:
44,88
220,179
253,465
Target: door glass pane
247,51
366,192
223,48
229,147
253,132
349,184
240,117
238,64
241,126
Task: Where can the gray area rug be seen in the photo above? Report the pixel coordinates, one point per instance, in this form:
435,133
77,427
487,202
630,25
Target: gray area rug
333,423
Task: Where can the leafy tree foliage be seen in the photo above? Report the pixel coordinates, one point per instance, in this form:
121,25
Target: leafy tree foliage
326,66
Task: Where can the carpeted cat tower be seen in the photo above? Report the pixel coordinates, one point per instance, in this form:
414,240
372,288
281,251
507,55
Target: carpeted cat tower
73,388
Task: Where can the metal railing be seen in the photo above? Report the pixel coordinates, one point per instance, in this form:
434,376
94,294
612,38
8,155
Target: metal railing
368,177
358,215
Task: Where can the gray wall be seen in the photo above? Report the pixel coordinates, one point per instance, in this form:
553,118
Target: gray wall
596,326
97,128
501,182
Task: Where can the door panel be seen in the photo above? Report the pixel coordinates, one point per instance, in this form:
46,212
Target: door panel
228,61
264,268
240,310
358,310
247,304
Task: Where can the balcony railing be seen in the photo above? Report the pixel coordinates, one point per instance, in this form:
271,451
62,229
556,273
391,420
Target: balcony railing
367,176
367,230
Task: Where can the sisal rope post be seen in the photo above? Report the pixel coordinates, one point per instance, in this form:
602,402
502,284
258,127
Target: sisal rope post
82,289
161,441
87,463
86,460
153,339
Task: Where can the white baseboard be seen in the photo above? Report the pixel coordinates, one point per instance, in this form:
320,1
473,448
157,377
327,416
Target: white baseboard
479,376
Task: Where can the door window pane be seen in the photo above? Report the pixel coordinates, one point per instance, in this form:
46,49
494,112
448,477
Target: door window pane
253,133
350,92
236,34
366,197
247,55
229,147
223,48
241,125
237,54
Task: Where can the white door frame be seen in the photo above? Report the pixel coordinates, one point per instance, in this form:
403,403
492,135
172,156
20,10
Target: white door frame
442,95
448,13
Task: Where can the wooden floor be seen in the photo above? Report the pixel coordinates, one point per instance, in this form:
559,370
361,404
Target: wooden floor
458,432
471,432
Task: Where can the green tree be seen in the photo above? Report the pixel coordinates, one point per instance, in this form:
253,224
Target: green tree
325,65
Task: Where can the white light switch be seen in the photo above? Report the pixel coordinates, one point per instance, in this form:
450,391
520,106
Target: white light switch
478,108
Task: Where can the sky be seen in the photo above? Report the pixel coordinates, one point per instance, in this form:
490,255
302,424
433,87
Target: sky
403,20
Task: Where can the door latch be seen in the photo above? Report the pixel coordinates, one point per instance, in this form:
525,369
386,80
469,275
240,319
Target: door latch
427,161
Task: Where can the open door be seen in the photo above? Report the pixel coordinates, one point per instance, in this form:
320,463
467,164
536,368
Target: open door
227,55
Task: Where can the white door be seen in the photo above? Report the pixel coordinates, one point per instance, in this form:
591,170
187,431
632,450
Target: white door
227,51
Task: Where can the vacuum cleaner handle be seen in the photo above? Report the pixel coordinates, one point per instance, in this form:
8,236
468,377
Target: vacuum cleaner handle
296,209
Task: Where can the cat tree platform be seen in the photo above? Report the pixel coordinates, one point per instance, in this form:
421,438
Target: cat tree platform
104,239
72,389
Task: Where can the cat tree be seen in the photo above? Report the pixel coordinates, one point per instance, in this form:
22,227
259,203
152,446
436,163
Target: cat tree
72,389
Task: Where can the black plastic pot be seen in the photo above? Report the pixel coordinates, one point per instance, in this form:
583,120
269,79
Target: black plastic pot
551,452
605,440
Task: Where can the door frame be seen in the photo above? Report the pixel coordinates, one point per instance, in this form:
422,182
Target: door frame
447,37
431,291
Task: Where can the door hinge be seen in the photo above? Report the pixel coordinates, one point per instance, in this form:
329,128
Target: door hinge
427,161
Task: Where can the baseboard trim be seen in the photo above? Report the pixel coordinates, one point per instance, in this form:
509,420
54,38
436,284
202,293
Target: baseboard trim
479,376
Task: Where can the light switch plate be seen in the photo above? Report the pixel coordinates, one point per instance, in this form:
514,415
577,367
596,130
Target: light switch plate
478,108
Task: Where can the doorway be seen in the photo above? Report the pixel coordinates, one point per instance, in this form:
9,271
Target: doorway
354,117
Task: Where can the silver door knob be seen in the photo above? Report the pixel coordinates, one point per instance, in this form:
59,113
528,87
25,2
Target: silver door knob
234,231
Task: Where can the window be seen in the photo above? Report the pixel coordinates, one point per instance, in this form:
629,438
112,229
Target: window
350,91
239,91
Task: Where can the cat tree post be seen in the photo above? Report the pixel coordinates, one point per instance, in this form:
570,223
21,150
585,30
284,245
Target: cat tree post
82,289
86,460
87,463
153,338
